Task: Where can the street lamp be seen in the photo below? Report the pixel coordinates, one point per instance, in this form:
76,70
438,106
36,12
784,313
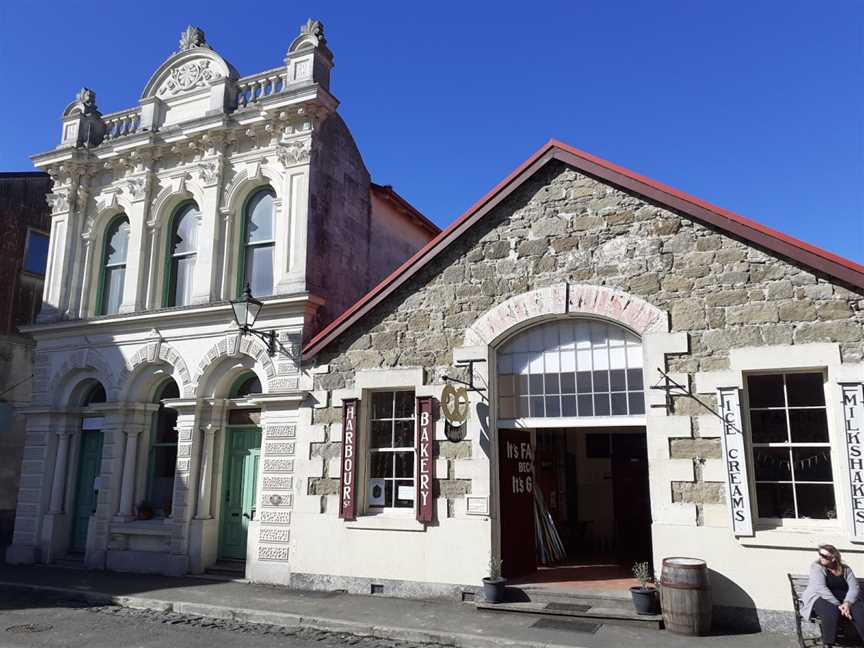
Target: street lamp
246,311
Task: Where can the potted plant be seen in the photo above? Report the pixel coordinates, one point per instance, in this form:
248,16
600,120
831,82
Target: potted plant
145,510
645,598
493,584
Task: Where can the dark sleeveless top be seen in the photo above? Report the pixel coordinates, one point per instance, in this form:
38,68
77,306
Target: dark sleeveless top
837,584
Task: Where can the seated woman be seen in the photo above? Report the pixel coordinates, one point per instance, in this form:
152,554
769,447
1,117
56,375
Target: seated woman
832,591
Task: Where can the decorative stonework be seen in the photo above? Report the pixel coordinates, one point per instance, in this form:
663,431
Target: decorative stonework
83,359
191,38
208,171
269,500
272,553
137,187
248,346
274,517
274,534
272,449
278,465
291,153
194,74
278,483
157,351
280,431
58,201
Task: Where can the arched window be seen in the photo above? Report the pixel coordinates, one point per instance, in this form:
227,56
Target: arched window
182,252
113,266
162,460
568,368
245,385
94,394
256,266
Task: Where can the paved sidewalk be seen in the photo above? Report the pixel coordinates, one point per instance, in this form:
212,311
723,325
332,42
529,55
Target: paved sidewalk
451,624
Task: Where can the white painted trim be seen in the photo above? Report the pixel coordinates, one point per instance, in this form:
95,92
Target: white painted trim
573,422
784,356
388,378
386,523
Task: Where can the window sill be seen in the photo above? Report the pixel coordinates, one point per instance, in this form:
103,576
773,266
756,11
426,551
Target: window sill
386,523
802,537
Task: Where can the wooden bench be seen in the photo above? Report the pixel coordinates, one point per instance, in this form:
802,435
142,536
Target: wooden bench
846,635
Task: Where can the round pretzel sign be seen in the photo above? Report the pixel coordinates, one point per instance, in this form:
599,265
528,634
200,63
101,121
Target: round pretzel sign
454,404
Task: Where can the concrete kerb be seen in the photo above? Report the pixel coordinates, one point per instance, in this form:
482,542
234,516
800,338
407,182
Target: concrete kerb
284,619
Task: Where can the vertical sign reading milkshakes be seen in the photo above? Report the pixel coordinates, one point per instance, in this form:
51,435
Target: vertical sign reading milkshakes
853,428
348,486
738,490
425,465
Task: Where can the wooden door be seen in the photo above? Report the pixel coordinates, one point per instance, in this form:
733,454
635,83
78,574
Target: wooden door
240,474
89,459
516,480
632,501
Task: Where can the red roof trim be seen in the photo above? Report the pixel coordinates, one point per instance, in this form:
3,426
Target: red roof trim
808,255
388,193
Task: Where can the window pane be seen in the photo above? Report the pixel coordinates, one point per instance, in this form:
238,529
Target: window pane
568,383
769,426
505,385
634,379
535,384
805,389
617,380
552,383
812,464
259,215
775,500
507,407
601,381
404,404
166,421
404,464
259,270
765,391
380,465
553,406
37,253
568,406
537,406
583,382
522,385
382,405
619,404
183,270
185,234
404,493
162,477
117,238
112,296
586,406
524,407
772,464
403,434
381,434
388,493
808,426
816,501
637,403
601,405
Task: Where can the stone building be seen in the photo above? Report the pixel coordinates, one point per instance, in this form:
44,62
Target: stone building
144,447
24,222
674,379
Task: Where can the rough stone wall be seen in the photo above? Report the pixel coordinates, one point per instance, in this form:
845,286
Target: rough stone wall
564,226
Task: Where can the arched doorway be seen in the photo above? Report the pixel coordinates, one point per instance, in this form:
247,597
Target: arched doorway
89,466
240,468
572,454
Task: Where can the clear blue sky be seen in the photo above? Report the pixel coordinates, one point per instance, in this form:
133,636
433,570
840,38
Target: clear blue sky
756,106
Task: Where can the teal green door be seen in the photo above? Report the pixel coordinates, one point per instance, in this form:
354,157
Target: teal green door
89,458
242,451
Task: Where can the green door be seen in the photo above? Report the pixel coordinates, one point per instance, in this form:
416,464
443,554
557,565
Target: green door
242,451
89,458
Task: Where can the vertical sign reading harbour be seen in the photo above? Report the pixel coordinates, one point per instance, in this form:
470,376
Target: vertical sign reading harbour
425,464
738,487
348,485
853,422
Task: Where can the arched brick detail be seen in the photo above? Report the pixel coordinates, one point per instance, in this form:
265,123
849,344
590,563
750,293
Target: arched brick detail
83,359
563,299
155,352
228,347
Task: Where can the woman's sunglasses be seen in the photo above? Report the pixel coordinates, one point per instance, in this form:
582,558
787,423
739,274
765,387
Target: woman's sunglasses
826,556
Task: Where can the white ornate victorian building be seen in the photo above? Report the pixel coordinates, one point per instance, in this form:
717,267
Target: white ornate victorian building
159,437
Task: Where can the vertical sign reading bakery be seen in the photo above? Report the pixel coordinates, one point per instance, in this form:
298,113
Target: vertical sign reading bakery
738,490
348,484
425,465
853,422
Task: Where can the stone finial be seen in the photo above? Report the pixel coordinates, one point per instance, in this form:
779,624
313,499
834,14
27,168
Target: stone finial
314,28
192,37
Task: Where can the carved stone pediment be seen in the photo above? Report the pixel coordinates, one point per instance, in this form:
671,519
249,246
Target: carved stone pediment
294,152
189,75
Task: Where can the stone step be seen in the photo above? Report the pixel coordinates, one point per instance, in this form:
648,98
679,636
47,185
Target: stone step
614,610
234,570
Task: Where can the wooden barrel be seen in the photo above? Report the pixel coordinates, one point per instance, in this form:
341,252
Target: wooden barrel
685,596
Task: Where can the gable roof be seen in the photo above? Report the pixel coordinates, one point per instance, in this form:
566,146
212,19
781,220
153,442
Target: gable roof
809,256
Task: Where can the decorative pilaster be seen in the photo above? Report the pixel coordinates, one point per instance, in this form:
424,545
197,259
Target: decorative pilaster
130,463
206,474
58,485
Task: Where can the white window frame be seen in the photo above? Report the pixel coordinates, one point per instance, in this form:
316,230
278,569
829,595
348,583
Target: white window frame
765,521
366,448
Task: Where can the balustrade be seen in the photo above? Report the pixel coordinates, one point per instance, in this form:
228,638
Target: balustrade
122,123
252,89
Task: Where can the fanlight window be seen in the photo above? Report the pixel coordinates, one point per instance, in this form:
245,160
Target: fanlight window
258,244
114,266
183,248
571,368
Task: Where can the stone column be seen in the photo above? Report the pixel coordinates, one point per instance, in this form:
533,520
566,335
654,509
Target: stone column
206,474
130,464
58,486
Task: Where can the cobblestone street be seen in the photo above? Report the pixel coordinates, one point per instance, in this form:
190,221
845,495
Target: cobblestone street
30,620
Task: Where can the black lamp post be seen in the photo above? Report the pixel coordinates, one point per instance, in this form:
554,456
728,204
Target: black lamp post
246,311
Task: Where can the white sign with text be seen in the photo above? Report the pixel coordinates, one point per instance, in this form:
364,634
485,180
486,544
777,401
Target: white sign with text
738,487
